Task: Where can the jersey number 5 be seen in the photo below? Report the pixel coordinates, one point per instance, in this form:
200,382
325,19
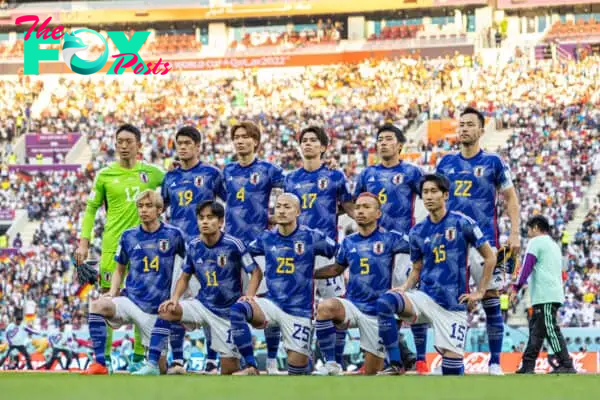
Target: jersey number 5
154,264
364,266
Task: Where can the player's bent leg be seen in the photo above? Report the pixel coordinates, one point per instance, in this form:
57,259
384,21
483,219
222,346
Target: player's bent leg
229,365
330,314
389,305
158,345
100,310
452,363
297,363
177,334
241,314
272,339
373,364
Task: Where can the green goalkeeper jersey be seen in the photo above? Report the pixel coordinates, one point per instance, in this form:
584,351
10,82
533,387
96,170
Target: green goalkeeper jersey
116,188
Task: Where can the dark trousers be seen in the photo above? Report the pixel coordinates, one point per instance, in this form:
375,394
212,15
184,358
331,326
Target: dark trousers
56,356
20,349
543,326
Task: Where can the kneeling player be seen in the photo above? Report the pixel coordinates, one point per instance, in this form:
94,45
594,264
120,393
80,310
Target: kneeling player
439,249
370,255
150,251
290,253
217,260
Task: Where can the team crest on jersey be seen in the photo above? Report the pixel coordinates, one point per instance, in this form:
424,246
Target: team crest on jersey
478,171
199,181
378,248
450,233
163,245
398,179
143,177
322,183
299,248
222,260
254,178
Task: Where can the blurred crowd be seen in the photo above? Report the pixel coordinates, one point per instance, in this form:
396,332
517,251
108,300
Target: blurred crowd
552,109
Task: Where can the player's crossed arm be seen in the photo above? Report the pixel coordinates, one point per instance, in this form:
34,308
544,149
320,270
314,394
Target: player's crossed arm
330,271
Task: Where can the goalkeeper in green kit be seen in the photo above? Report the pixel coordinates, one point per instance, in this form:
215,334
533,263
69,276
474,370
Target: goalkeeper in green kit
116,187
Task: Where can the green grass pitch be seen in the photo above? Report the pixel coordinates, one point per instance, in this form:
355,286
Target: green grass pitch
14,386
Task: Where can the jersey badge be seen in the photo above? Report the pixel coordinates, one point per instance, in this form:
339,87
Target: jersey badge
143,177
478,171
299,248
163,245
398,179
199,181
450,234
221,260
254,178
322,183
378,248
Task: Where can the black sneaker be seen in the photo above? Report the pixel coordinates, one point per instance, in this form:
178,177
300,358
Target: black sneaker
524,371
564,370
392,370
409,361
211,368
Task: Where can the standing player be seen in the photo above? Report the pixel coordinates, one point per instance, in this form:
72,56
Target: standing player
396,184
439,250
182,190
60,343
218,261
150,251
249,183
477,177
322,191
116,187
369,254
290,253
17,337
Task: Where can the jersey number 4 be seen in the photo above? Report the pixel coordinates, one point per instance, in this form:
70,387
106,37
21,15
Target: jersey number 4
154,264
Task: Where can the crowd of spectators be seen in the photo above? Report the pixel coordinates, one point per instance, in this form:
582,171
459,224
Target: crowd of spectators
552,109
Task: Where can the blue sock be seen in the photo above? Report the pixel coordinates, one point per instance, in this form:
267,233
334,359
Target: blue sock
309,366
495,328
419,332
97,328
158,340
326,338
340,344
240,314
294,370
211,355
452,366
272,338
176,339
388,306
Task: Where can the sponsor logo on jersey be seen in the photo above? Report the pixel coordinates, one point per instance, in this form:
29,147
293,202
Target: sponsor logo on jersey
163,245
143,177
221,260
479,171
299,248
254,178
199,181
398,179
322,183
378,248
450,233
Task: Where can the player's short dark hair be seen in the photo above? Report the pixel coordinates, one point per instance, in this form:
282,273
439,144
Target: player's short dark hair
392,128
215,207
130,128
318,131
251,129
440,180
471,110
540,222
191,132
371,195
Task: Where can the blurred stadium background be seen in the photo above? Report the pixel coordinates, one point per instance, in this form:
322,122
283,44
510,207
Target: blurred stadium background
533,67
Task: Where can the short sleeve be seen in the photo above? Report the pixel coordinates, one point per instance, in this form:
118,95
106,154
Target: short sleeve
246,258
416,181
533,248
256,248
400,242
341,256
416,246
324,246
180,249
220,189
360,187
343,191
121,256
503,176
164,193
472,233
188,264
277,177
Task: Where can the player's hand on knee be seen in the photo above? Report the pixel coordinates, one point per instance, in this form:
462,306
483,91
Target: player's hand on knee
247,299
471,298
167,306
400,289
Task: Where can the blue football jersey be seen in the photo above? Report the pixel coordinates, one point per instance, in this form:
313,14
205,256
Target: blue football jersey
397,189
183,189
443,248
219,270
371,262
150,257
248,192
290,264
319,192
475,183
